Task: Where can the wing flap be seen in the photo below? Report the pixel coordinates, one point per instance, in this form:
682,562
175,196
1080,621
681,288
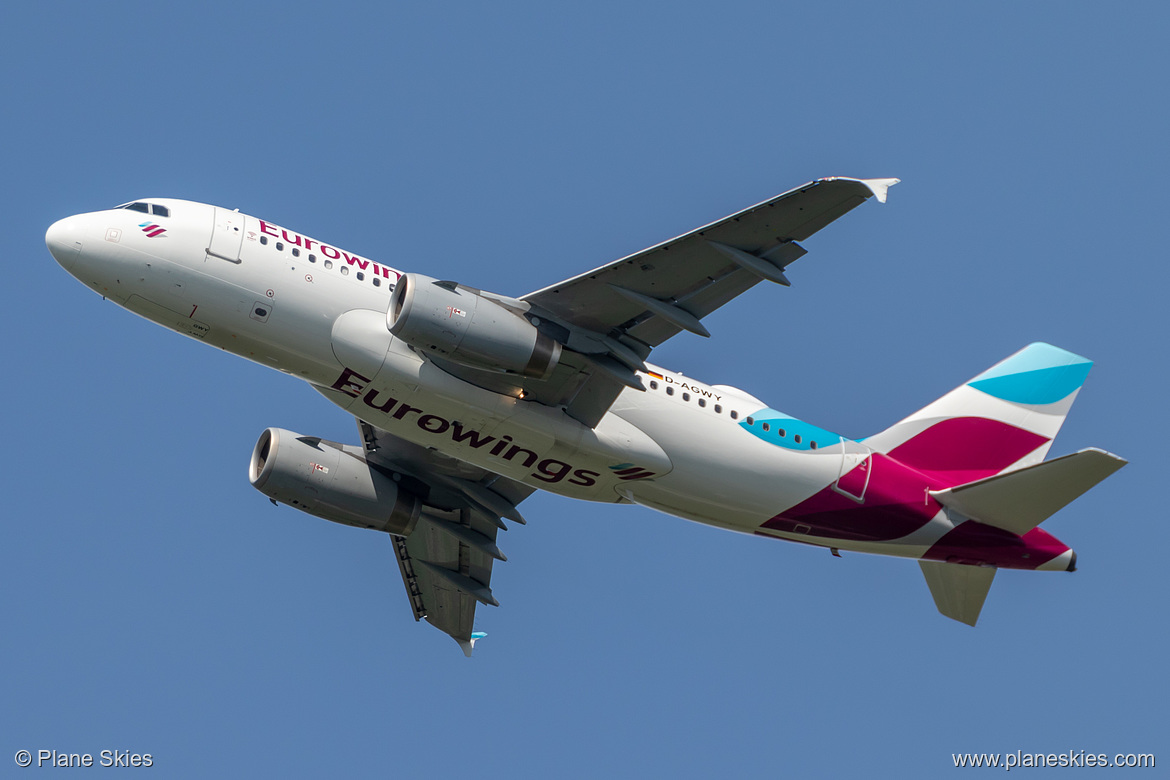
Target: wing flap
1020,500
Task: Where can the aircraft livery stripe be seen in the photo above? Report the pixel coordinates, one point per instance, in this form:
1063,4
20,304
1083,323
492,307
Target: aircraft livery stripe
962,449
1037,374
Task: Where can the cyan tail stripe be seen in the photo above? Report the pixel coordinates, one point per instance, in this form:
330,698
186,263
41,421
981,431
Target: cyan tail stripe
1037,374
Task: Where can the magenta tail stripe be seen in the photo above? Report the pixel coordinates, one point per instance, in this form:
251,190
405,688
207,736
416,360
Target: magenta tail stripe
963,449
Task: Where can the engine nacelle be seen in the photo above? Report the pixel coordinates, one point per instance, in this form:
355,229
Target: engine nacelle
332,481
459,324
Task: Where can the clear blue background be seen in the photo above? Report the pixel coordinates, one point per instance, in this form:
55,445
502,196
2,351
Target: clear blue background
154,602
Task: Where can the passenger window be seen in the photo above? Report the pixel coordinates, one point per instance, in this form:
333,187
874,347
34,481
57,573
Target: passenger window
361,277
160,211
345,270
312,258
751,421
718,409
296,252
377,282
767,427
279,246
263,239
783,433
812,445
653,385
670,391
686,396
702,402
796,438
328,263
735,415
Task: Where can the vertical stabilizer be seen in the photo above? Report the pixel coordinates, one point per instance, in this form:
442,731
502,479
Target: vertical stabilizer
1003,419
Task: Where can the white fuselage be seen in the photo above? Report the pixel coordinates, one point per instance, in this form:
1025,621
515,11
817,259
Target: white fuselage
318,313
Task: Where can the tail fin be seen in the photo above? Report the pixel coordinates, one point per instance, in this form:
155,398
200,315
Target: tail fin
1003,419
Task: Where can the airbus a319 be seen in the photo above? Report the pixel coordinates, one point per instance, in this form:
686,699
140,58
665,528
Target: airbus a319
467,401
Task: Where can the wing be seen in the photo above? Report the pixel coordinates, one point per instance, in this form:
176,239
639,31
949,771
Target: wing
446,562
644,299
610,318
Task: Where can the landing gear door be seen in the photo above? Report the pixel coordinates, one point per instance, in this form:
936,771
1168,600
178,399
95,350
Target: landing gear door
856,470
227,235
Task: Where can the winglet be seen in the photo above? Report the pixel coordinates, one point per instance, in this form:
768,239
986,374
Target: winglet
469,644
879,187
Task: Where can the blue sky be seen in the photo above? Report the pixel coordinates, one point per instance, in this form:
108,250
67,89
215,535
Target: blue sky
154,602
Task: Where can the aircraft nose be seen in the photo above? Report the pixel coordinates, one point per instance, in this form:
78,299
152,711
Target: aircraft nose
63,238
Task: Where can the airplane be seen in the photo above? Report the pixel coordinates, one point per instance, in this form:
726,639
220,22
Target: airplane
468,401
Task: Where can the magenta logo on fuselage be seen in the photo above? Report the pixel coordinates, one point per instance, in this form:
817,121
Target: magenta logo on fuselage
151,229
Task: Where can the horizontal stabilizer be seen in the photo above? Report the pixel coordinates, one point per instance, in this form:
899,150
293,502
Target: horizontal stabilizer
958,590
1018,501
1005,417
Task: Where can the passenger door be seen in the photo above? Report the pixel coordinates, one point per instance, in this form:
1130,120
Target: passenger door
227,235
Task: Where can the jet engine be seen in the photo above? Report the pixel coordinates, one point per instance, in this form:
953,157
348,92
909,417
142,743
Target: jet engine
462,325
332,481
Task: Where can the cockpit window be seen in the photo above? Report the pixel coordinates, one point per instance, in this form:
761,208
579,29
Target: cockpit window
147,208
